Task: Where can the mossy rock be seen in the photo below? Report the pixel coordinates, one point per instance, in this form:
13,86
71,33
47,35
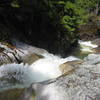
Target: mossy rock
11,94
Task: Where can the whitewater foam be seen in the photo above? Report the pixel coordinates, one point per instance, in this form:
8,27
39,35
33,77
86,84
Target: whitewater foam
87,43
23,75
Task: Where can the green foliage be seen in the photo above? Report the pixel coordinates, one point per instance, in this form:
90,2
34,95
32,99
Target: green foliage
15,4
69,14
63,15
85,3
66,16
89,5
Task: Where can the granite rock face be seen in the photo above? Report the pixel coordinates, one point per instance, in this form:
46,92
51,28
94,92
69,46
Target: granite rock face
17,54
83,83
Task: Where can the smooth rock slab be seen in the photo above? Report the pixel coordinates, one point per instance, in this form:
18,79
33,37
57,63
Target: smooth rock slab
81,84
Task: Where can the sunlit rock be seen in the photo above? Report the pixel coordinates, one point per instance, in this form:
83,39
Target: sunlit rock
69,67
83,83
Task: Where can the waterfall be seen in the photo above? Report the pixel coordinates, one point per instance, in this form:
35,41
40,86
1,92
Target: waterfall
23,75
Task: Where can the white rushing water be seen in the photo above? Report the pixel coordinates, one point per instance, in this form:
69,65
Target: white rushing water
23,75
86,46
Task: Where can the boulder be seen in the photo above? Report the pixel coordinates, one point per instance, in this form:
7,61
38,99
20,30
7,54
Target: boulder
13,54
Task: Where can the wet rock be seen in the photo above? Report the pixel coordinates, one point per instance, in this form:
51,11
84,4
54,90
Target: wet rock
28,94
92,59
31,58
96,41
81,84
96,50
69,66
18,94
13,54
11,94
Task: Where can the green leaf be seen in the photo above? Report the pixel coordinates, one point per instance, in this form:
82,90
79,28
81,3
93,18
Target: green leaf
15,4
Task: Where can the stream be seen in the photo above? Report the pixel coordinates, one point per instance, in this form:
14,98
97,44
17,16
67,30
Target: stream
84,48
54,91
23,75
